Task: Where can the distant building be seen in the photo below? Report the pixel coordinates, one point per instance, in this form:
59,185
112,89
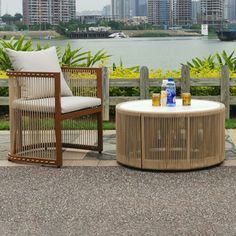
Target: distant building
170,12
121,9
196,11
126,9
137,20
159,12
181,12
48,11
99,29
230,10
140,7
212,12
106,11
92,19
89,13
226,9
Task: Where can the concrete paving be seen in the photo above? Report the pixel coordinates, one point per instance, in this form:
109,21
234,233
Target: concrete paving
74,157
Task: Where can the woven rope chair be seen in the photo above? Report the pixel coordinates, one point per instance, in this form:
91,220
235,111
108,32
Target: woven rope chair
41,127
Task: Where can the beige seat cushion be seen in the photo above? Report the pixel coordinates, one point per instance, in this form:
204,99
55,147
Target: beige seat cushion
38,61
68,104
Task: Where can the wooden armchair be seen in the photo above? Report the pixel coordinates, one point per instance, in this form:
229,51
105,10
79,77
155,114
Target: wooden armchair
42,125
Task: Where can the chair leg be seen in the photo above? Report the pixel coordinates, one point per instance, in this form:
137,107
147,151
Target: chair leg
14,130
18,129
58,143
100,132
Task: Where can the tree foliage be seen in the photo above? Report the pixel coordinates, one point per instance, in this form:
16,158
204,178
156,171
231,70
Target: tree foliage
9,19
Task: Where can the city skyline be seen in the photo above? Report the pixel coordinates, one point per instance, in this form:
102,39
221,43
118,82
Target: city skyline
15,6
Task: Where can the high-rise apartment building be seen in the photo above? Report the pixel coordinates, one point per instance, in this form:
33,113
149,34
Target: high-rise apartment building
159,12
230,10
126,9
196,11
121,9
212,12
170,12
48,11
140,7
181,12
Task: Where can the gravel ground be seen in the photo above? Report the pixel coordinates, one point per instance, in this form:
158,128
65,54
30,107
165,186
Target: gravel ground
116,201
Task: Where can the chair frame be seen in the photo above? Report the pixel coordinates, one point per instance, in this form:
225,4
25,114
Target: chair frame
59,116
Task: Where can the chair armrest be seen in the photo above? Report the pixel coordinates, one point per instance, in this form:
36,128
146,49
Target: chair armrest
84,81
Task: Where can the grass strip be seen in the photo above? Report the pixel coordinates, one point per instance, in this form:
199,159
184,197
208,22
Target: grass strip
230,123
107,125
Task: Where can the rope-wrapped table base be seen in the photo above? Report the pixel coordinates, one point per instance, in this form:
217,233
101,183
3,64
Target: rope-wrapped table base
170,138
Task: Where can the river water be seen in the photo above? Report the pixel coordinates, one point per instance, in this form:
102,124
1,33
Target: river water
166,53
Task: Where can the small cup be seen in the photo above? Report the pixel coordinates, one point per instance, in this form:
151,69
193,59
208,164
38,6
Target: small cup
156,99
186,99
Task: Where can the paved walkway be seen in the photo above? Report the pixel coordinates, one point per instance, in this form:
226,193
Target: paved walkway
74,157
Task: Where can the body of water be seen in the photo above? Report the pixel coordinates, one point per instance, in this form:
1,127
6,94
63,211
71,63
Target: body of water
166,53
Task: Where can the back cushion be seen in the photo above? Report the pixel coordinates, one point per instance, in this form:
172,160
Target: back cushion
38,61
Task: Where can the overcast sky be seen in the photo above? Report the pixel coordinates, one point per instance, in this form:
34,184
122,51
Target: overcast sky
13,6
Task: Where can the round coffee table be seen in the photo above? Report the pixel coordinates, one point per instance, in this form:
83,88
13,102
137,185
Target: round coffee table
170,138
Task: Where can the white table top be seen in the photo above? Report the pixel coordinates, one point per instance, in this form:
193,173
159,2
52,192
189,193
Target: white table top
145,106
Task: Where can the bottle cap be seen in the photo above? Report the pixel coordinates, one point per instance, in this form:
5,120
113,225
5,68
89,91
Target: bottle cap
171,79
164,81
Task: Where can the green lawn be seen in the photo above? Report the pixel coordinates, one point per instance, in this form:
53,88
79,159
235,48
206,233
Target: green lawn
4,125
230,123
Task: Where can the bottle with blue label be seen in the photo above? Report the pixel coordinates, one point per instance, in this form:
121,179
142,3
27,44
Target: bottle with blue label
171,93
